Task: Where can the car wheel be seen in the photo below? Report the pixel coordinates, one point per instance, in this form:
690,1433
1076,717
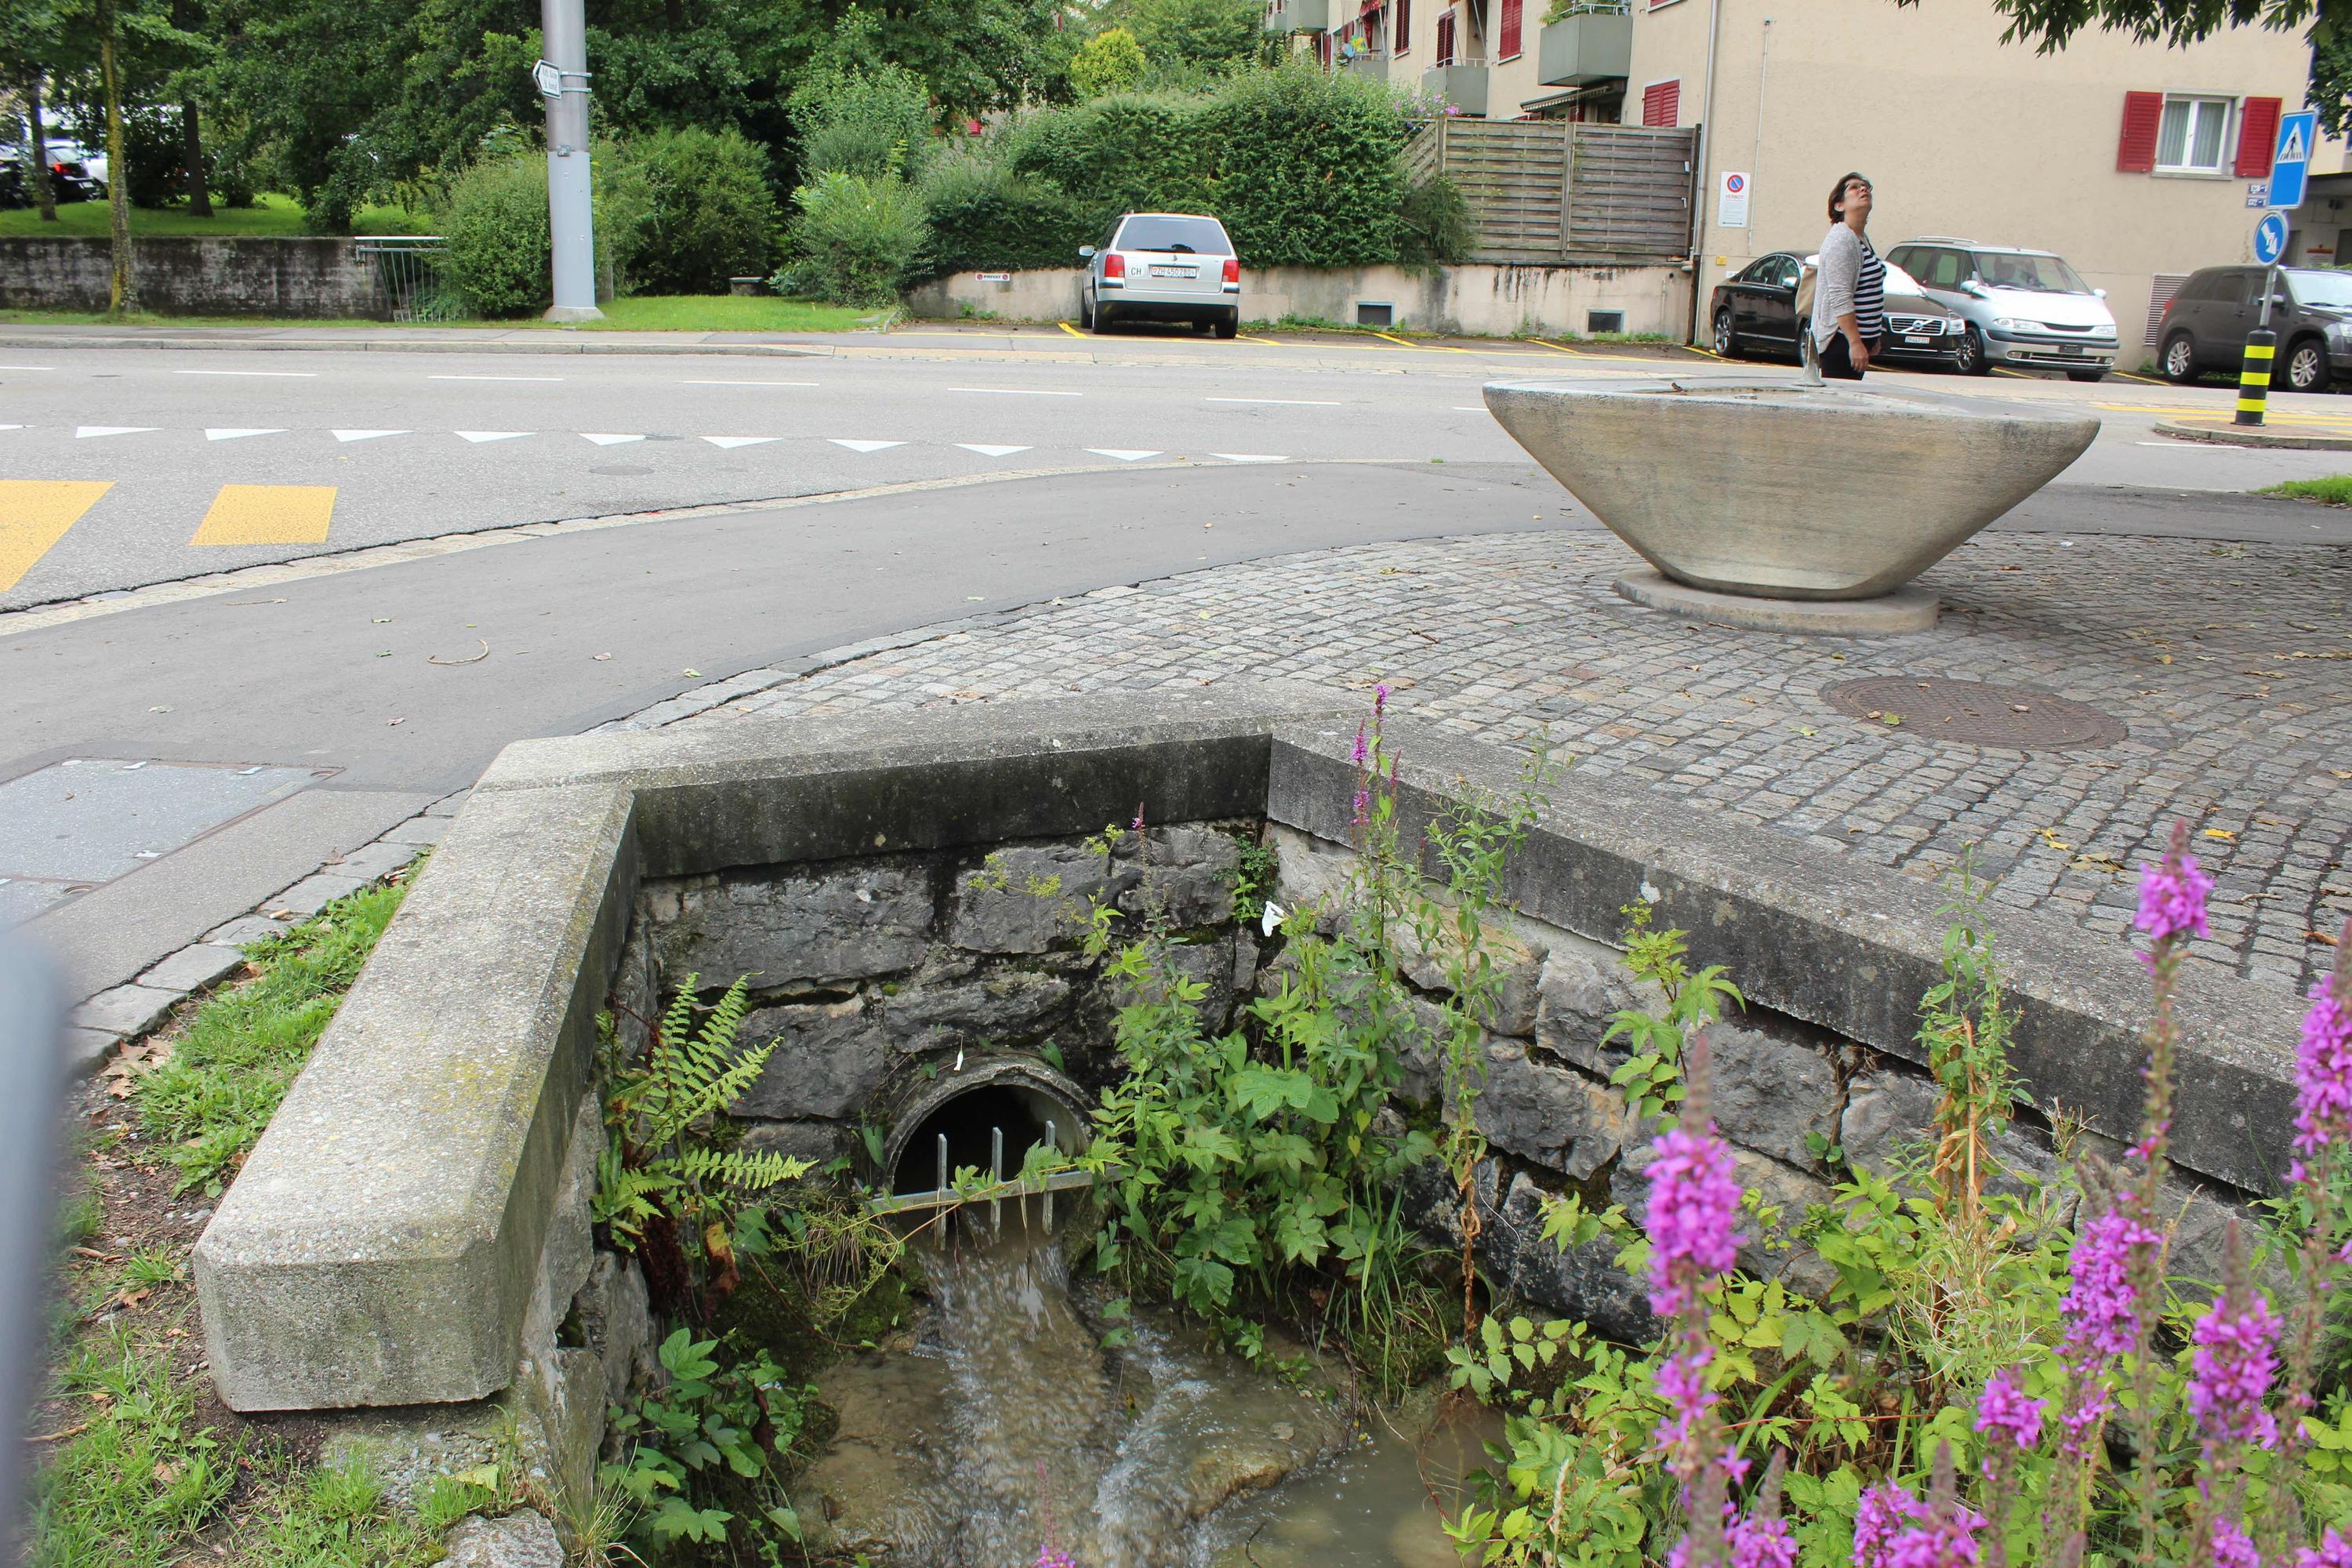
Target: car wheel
1205,326
2180,361
2307,367
1230,326
1971,358
1100,323
2086,376
1805,354
1727,339
1086,312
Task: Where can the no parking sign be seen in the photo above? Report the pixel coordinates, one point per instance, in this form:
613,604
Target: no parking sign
1731,200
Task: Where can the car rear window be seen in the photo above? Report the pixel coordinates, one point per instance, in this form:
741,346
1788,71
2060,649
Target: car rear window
1199,236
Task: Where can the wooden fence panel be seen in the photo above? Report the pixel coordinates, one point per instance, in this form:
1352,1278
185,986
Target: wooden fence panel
1542,191
1630,192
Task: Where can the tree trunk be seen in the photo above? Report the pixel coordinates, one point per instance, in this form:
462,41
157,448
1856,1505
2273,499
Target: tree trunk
200,200
45,189
122,292
191,139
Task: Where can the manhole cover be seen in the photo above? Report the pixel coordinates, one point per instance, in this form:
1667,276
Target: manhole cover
1973,712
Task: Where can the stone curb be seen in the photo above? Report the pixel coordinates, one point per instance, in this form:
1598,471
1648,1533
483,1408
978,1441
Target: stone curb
104,1022
2232,436
423,345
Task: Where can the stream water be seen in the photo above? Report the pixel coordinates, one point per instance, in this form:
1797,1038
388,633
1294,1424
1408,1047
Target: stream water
1004,1425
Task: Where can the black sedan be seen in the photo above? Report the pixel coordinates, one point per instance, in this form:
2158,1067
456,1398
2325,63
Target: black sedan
1765,309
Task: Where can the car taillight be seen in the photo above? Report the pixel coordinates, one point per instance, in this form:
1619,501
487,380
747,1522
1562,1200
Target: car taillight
1233,268
1114,265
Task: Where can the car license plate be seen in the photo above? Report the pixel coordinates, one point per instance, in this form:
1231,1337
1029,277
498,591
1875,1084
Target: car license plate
2070,351
1162,270
1915,340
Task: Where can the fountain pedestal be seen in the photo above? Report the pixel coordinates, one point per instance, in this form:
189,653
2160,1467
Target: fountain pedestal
1774,505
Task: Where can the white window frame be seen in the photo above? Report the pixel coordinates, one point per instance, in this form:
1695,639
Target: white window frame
2225,160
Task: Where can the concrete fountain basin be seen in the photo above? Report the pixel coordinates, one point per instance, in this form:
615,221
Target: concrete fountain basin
1782,490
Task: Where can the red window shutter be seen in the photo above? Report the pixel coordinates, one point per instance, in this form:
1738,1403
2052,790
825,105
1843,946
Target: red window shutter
2258,138
1508,44
1445,39
1401,36
1662,104
2143,112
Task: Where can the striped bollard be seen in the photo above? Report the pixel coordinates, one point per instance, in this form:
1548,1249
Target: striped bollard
2254,375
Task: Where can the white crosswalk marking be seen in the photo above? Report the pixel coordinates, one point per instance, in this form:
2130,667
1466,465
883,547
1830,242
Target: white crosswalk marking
606,441
731,442
986,451
1250,457
239,434
1121,454
478,436
867,446
85,432
366,435
11,427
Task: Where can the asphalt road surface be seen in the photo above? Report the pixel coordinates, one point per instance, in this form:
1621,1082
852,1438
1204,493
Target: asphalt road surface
362,691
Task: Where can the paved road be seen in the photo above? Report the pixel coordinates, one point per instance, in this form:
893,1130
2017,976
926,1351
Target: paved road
365,691
122,468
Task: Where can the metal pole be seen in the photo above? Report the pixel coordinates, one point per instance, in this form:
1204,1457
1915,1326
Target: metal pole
1703,183
996,1177
570,214
30,1086
2262,346
1053,1146
940,1191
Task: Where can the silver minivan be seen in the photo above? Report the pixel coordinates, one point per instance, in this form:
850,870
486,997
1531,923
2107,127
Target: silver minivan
2022,307
1163,266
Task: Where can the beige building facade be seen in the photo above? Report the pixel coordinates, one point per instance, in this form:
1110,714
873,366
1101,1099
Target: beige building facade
2138,163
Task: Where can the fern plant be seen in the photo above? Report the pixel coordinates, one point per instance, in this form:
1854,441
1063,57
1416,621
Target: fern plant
667,1168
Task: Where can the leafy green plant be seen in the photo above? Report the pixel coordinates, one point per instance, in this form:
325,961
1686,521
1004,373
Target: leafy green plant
867,121
666,1168
1965,1025
1433,224
981,213
1255,871
1110,61
495,223
708,1451
1650,1076
700,210
856,240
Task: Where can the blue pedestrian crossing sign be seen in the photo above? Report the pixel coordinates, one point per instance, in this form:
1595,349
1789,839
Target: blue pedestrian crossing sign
2270,238
2297,133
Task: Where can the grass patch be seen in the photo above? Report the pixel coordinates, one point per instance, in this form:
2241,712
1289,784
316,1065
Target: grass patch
269,217
721,313
208,1102
2336,490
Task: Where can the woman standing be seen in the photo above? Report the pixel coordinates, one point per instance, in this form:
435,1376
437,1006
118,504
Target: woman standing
1850,295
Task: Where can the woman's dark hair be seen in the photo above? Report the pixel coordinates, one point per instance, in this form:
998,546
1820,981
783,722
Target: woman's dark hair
1837,193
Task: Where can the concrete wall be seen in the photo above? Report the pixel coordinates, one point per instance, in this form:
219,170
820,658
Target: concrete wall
198,276
1487,300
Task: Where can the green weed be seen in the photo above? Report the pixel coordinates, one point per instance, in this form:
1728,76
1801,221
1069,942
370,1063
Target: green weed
2336,490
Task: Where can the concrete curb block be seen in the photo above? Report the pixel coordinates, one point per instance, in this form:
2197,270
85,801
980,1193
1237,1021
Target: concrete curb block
422,345
2260,436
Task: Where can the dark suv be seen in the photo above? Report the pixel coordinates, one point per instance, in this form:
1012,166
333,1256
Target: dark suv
2205,324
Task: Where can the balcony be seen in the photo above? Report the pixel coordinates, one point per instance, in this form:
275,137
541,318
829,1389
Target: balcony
1299,16
1372,63
1586,46
1461,83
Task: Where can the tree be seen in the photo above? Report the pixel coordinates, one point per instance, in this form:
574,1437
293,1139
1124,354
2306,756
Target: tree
1107,62
2049,23
1214,34
29,44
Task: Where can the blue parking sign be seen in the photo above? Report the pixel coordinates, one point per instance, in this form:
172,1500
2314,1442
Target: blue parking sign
2269,238
2293,161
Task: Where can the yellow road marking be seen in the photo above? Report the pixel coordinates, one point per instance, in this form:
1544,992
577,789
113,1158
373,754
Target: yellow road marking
268,514
1424,348
35,514
1270,342
1069,329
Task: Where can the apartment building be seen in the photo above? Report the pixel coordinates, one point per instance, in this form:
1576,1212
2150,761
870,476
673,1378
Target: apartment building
2138,163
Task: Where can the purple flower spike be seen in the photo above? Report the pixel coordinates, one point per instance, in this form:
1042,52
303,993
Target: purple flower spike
2333,1552
1380,701
2230,1547
1362,750
2103,1306
2323,1075
1761,1544
2008,1412
1695,1194
1885,1512
1054,1557
1936,1543
2172,897
2230,1374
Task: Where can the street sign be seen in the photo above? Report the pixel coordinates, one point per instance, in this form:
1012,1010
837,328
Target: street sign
2297,132
2258,193
1731,201
549,79
2270,238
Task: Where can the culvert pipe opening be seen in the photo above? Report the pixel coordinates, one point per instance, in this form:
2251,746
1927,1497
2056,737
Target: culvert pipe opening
987,1128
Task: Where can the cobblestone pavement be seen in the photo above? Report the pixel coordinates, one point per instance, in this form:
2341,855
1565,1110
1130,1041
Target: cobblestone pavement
2231,664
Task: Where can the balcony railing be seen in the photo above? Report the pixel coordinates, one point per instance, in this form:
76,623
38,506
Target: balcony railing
1585,45
1462,83
1300,16
1373,63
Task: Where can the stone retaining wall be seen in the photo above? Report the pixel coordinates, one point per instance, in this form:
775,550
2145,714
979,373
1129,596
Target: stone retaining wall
195,276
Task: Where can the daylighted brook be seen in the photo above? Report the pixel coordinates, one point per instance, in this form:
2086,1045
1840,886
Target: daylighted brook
1242,1128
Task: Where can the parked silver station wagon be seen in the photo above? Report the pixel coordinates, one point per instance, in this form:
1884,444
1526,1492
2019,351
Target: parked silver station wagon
1163,266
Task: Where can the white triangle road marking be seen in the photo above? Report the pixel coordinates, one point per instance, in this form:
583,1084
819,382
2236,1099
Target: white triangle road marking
990,451
731,442
84,432
478,436
1123,455
609,440
11,427
1250,457
867,446
236,435
366,435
